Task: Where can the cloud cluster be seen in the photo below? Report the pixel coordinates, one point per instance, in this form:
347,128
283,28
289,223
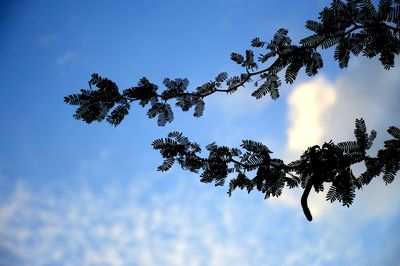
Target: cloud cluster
321,110
136,224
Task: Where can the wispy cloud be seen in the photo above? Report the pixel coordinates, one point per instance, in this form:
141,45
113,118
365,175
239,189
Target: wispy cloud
47,40
66,58
134,224
239,116
238,105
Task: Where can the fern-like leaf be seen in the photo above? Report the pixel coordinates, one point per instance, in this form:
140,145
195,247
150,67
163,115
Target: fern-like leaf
371,139
291,72
249,62
394,131
281,38
199,109
256,42
74,99
118,114
264,57
166,165
154,110
262,90
314,64
221,77
270,86
361,134
313,26
312,41
384,9
332,194
238,58
342,53
254,146
329,42
394,14
165,115
349,146
388,177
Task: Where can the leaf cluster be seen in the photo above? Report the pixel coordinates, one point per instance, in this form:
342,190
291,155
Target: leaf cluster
251,167
352,27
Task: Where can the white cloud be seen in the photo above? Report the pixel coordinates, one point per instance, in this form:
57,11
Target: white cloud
307,104
320,111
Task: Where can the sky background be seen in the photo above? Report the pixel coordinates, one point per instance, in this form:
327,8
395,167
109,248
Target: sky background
78,194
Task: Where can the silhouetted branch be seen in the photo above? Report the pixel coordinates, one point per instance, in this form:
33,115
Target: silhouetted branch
352,27
304,198
330,163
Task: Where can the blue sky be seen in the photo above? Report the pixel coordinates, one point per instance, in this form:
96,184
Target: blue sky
78,194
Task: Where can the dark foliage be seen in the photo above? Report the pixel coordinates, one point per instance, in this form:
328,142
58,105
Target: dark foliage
319,166
352,27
